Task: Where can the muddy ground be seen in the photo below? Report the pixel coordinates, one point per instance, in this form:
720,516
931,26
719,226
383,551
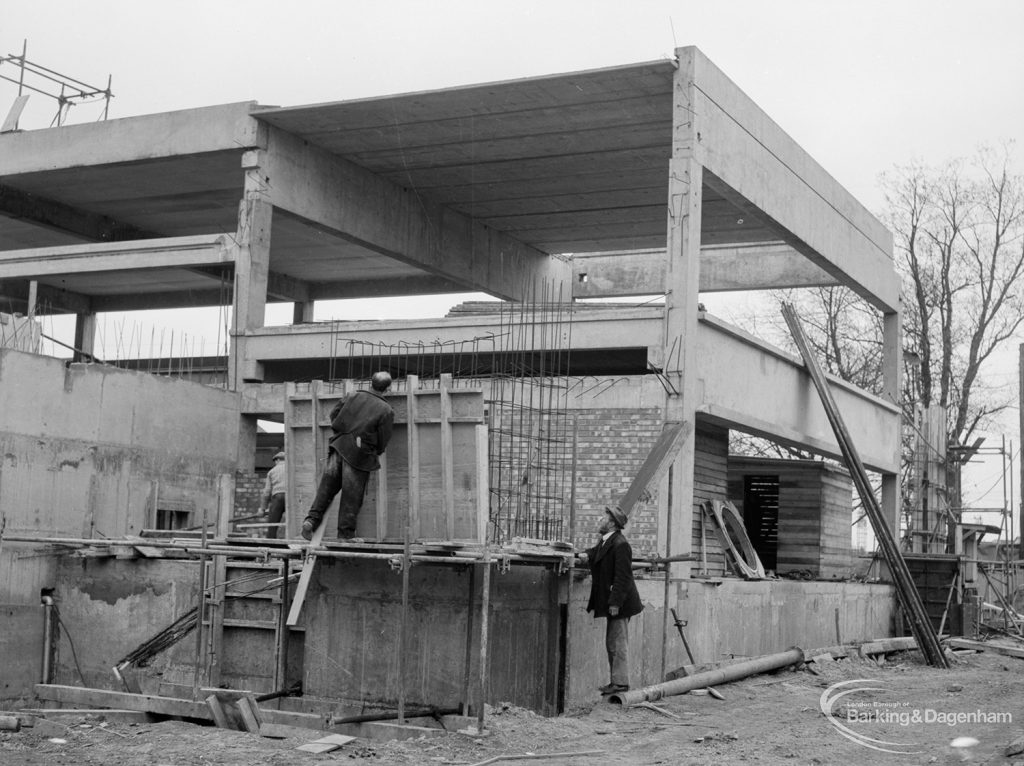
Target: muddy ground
899,712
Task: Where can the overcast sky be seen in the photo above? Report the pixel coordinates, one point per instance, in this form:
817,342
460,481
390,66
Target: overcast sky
862,85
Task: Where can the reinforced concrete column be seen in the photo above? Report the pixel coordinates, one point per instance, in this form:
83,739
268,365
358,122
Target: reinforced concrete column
85,337
252,268
681,301
302,313
892,390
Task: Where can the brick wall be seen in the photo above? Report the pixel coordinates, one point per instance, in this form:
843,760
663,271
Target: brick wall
611,446
248,488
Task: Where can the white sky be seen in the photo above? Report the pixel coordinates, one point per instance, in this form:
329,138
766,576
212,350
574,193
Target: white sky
862,85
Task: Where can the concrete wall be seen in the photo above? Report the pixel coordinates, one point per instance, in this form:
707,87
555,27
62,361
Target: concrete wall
353,619
109,607
726,618
85,449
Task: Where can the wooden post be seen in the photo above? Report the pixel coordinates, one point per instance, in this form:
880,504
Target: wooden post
1020,413
413,513
668,582
403,628
572,479
447,458
485,605
291,496
467,668
281,636
200,615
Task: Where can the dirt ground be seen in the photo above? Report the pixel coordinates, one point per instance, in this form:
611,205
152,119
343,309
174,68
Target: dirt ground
899,712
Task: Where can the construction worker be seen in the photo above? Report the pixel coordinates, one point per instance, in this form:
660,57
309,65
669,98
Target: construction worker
613,594
361,423
274,489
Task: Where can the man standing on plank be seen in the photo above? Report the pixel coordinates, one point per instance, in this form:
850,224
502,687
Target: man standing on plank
362,423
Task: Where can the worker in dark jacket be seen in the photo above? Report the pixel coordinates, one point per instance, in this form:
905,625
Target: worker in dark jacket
361,423
613,593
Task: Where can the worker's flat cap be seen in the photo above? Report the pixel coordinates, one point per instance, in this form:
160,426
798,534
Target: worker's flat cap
617,515
279,456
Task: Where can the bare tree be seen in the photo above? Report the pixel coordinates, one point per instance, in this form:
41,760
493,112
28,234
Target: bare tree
959,248
959,245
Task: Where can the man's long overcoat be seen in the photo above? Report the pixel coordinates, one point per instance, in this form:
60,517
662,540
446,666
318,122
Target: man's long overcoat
611,571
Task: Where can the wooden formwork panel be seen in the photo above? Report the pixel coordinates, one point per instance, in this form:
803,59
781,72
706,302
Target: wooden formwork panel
433,474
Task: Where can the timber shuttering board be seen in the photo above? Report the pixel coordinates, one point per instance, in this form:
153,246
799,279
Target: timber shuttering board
431,469
710,472
815,505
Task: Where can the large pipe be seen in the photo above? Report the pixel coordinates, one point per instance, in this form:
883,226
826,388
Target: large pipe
710,678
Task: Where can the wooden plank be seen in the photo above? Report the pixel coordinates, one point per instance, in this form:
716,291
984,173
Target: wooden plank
215,602
447,459
305,576
413,511
217,711
286,731
982,646
655,465
482,484
291,491
101,698
248,711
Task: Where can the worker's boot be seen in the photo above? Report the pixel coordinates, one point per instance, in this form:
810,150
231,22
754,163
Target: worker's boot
307,529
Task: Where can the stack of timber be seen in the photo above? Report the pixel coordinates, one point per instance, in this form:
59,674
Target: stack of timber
906,593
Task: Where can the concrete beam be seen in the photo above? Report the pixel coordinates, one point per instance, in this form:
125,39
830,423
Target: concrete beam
373,288
767,266
170,252
49,300
192,131
748,379
361,207
617,328
58,216
751,161
756,388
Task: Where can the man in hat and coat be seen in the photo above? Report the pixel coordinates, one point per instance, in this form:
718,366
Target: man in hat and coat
613,593
274,490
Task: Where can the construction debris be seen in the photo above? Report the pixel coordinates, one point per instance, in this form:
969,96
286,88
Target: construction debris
326,744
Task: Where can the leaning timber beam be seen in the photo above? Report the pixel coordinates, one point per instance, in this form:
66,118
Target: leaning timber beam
906,591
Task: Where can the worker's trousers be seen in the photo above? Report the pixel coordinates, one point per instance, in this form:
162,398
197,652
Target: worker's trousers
339,475
616,641
275,512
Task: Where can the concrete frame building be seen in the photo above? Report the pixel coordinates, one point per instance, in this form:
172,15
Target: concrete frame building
660,178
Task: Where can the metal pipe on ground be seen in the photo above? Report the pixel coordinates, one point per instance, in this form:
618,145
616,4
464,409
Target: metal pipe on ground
709,678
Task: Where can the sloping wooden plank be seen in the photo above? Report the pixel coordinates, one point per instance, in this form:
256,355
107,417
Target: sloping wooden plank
101,698
656,465
305,576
